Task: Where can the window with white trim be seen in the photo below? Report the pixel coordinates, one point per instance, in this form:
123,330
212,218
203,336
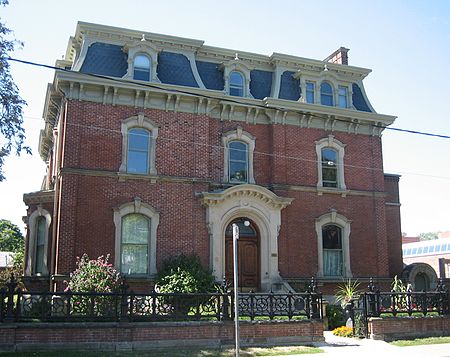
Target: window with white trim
236,85
142,67
136,228
238,156
330,163
139,136
333,234
326,94
37,244
236,75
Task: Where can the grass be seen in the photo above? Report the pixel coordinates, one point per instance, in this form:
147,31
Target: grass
249,351
422,341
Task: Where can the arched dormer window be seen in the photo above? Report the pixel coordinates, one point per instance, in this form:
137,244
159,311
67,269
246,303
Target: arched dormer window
142,68
326,94
236,84
333,236
238,156
139,136
330,163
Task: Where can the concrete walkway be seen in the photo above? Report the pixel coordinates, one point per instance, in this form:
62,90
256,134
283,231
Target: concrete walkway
343,346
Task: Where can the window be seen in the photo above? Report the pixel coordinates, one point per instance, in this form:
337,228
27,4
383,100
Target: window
332,250
238,156
40,245
333,236
139,136
141,68
326,94
310,92
236,84
134,245
37,243
343,97
136,228
138,151
238,162
329,167
330,163
425,250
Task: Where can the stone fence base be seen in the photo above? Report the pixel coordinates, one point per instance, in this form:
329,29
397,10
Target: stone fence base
396,328
123,336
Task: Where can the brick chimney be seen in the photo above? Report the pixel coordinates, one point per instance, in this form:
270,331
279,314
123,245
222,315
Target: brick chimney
339,56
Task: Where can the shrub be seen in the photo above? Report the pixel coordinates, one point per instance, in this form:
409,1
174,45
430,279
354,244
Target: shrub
343,331
335,315
93,276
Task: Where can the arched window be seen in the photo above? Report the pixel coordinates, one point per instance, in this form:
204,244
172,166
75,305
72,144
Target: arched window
141,68
135,238
138,151
333,262
134,244
39,262
139,135
239,146
326,94
236,84
238,161
330,163
329,167
333,243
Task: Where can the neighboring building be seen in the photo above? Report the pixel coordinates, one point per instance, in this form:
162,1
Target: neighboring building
6,260
155,144
410,239
426,261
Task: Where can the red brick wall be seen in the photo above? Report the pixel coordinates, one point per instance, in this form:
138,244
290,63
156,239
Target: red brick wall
188,146
111,336
391,328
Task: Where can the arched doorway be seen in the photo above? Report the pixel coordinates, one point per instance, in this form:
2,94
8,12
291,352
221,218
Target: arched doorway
421,282
248,255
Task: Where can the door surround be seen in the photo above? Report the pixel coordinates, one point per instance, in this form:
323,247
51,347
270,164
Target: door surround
258,204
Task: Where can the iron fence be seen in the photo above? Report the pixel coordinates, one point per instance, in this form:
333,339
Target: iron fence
17,305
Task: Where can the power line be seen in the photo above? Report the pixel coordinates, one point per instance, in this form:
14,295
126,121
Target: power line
231,100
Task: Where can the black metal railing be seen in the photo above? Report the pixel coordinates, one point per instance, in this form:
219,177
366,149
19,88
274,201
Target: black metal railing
17,305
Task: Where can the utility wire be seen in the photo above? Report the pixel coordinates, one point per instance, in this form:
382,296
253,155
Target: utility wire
230,100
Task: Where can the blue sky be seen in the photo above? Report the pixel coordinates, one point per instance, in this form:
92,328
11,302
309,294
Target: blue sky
405,43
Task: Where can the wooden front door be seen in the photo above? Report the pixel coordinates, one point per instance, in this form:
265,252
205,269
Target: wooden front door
248,255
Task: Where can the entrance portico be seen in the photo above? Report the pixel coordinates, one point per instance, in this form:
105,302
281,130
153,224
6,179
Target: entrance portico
260,206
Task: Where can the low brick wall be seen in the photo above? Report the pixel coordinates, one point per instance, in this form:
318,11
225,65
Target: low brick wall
394,328
151,335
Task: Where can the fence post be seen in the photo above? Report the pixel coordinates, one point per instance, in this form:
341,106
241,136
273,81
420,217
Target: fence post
312,289
373,297
11,285
225,308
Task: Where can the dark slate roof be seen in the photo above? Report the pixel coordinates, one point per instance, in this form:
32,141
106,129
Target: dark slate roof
105,59
174,68
211,75
289,87
359,102
260,83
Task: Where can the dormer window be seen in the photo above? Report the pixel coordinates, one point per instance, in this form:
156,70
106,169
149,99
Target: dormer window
141,68
236,84
343,97
310,92
326,94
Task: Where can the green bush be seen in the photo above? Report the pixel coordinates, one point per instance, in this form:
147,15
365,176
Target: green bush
335,315
184,274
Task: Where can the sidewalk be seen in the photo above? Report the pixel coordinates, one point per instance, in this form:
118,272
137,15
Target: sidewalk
343,346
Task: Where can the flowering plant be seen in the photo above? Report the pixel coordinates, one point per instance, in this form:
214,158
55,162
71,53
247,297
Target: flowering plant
343,331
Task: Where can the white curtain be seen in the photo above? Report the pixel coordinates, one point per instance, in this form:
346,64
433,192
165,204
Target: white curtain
332,262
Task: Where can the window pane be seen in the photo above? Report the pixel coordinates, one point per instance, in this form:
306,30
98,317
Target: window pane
332,262
329,156
138,151
236,84
309,92
331,237
134,259
41,228
135,229
137,162
238,171
138,139
39,263
238,151
141,75
142,68
141,61
326,94
40,244
343,97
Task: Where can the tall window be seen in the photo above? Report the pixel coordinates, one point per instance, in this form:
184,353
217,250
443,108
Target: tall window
343,97
238,161
40,245
326,94
138,151
310,92
329,167
236,84
141,68
332,250
134,244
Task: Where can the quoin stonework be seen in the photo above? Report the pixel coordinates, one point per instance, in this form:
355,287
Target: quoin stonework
156,144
